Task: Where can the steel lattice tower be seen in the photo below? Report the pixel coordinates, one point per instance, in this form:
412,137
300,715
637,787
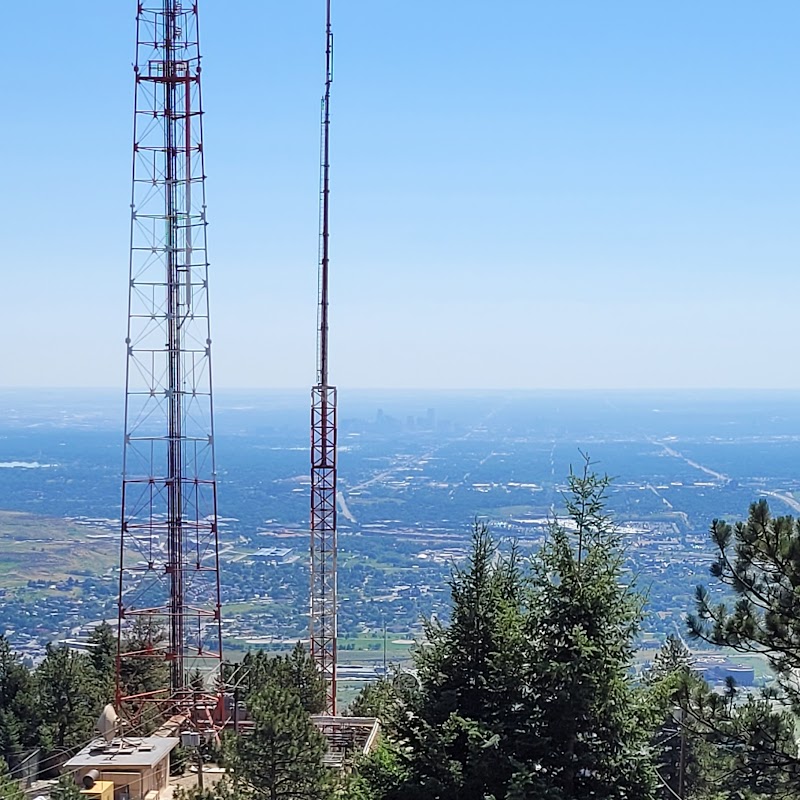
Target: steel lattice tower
169,554
323,436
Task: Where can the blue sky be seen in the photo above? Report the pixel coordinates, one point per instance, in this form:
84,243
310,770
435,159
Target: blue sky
574,194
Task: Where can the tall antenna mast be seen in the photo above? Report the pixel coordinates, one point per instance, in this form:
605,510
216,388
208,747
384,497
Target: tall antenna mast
323,435
169,588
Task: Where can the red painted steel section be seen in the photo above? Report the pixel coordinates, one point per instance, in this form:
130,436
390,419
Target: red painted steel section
169,585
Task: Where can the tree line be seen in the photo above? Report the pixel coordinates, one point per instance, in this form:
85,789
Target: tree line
55,706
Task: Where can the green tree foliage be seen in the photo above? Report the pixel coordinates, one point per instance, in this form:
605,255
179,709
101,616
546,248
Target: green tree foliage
144,670
748,749
461,725
69,698
305,679
223,789
295,672
282,756
673,658
19,716
54,707
196,681
374,699
685,758
758,560
526,692
9,788
376,776
281,759
179,760
66,789
583,618
103,656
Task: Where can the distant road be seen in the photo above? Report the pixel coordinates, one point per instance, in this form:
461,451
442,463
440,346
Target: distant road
720,476
788,499
784,498
660,496
343,507
465,478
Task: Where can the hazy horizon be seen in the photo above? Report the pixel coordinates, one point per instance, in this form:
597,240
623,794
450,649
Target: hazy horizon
705,390
422,390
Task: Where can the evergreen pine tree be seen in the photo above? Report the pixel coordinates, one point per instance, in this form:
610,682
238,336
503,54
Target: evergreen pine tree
587,731
527,691
295,672
373,700
103,656
281,758
9,788
223,789
673,657
66,789
144,669
69,698
305,679
758,560
684,756
461,726
19,717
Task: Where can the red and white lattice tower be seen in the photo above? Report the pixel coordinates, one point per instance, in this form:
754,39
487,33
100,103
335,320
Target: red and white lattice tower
169,554
323,437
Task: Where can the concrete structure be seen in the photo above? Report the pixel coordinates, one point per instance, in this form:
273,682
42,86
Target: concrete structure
138,767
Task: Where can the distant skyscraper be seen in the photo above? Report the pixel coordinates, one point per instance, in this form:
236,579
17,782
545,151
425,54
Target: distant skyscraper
431,418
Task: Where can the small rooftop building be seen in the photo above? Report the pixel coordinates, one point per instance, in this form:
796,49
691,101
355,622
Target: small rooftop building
138,767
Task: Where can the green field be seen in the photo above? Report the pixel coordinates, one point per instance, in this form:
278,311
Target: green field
34,548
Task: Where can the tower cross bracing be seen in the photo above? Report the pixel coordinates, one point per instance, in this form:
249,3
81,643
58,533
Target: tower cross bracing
169,553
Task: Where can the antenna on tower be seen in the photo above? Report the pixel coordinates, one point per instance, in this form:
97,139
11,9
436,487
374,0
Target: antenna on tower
323,434
169,587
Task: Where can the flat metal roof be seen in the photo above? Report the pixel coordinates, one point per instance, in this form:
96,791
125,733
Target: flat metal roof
129,751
